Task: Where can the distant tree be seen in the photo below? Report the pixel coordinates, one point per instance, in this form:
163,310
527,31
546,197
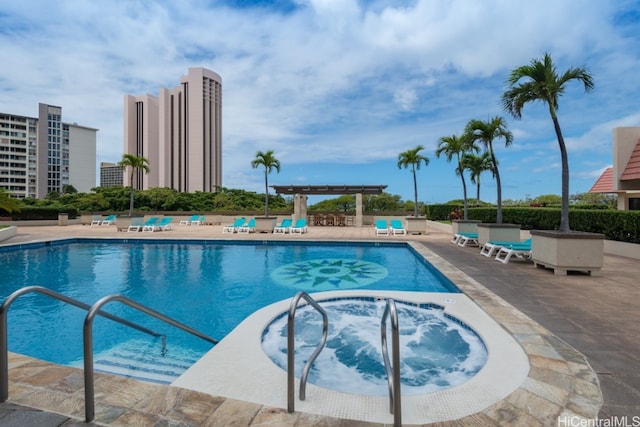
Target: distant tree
412,158
477,164
269,161
383,202
542,83
136,164
610,200
487,132
69,189
458,146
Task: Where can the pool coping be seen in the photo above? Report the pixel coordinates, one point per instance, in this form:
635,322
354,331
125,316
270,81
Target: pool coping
560,384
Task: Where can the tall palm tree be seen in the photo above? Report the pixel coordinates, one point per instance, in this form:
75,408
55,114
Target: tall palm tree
413,158
542,83
457,146
487,132
476,164
269,161
137,164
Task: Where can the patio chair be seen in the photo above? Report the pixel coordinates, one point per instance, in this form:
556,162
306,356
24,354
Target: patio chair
381,227
490,248
300,226
397,227
149,223
283,227
521,252
189,221
249,227
111,219
136,225
96,220
232,228
468,239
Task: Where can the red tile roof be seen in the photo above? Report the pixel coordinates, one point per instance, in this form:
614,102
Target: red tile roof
604,184
632,170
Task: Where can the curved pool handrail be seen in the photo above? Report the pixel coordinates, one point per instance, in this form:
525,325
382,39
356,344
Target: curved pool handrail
291,350
87,333
4,346
393,371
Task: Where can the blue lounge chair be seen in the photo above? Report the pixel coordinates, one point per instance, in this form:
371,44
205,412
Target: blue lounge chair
96,220
490,248
248,227
232,228
111,219
397,227
150,223
164,224
457,236
520,251
284,226
468,238
382,227
300,226
190,221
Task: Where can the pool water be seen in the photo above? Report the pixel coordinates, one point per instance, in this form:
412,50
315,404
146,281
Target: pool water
437,352
208,285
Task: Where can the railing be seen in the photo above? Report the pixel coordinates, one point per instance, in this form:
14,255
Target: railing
291,349
393,371
92,311
89,403
4,347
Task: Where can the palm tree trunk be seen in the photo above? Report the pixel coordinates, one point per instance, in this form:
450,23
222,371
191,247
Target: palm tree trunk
266,194
498,185
564,218
415,193
464,193
478,192
131,195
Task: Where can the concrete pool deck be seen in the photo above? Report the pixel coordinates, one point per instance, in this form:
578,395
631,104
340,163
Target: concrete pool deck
597,316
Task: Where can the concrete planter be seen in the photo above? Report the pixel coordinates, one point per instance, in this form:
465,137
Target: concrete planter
265,225
8,232
568,251
416,225
498,232
123,222
464,226
63,219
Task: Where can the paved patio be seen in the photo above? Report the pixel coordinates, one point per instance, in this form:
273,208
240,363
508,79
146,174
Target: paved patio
597,316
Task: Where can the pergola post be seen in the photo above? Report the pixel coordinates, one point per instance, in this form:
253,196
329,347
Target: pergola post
358,219
299,206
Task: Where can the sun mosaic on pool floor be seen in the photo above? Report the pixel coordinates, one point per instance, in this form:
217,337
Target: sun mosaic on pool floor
329,274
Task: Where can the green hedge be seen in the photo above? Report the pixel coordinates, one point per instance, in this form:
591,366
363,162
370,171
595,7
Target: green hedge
623,226
30,213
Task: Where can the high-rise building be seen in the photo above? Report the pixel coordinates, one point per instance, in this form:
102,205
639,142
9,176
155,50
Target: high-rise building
43,154
179,133
110,175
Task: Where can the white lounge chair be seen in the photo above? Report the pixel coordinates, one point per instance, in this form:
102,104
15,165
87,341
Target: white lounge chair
283,227
468,239
111,219
300,226
397,227
248,227
490,248
232,228
505,253
382,227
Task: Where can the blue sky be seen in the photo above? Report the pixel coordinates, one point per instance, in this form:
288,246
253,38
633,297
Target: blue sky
338,88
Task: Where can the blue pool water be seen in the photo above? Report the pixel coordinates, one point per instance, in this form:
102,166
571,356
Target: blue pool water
208,285
437,351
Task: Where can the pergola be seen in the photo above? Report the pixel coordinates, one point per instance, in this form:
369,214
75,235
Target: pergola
301,192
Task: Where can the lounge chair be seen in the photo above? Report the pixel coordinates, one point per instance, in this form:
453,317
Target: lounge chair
96,220
381,227
457,236
300,226
397,227
468,238
505,253
199,221
490,248
149,223
283,227
248,227
136,225
164,224
111,219
190,221
232,228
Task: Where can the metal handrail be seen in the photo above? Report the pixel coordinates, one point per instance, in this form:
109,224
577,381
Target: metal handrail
4,347
87,332
393,372
291,350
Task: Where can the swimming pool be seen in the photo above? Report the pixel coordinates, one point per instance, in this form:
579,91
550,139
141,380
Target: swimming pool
209,285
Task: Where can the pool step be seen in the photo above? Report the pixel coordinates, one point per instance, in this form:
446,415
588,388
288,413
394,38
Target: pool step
144,362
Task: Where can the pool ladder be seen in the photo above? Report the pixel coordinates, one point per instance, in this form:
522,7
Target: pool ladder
92,311
393,371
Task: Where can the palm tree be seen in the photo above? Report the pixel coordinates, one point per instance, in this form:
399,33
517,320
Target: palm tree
137,164
456,146
486,132
542,83
413,158
269,162
476,165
